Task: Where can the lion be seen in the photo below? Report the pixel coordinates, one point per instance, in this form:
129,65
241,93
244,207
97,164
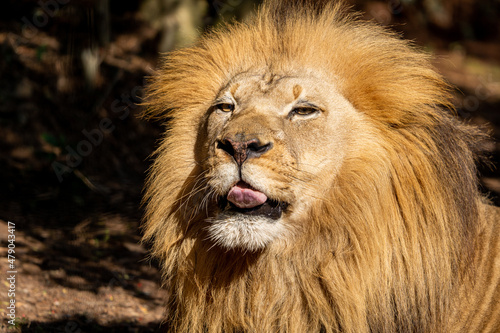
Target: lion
313,178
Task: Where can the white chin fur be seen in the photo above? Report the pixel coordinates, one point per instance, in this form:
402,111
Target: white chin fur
249,233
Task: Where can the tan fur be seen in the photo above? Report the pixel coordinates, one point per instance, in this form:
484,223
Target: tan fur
386,230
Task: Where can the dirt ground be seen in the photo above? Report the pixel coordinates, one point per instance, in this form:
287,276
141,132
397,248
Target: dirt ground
79,265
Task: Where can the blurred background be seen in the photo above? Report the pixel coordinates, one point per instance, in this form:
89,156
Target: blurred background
74,152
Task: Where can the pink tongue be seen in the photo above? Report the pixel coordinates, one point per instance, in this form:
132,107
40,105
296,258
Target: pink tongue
243,196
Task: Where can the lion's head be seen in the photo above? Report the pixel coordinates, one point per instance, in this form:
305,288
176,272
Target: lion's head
310,178
272,145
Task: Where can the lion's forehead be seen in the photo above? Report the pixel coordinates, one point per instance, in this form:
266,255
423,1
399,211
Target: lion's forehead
278,88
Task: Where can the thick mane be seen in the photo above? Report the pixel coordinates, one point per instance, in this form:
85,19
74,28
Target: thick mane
386,247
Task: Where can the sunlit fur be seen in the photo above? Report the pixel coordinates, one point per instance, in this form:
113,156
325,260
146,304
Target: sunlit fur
396,245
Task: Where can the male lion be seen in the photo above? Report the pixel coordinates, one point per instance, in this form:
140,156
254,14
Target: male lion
312,180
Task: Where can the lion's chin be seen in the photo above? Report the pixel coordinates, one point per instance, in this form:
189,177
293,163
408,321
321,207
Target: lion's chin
245,232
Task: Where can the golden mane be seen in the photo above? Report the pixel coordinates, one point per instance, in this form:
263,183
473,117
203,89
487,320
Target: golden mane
391,241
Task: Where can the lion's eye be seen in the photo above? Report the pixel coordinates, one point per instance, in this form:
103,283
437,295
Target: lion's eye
225,107
304,111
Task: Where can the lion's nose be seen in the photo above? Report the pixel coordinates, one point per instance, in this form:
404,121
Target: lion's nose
242,150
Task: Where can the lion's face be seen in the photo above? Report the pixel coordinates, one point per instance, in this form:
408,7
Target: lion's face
275,144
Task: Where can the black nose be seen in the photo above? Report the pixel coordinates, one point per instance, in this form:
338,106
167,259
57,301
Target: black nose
242,150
